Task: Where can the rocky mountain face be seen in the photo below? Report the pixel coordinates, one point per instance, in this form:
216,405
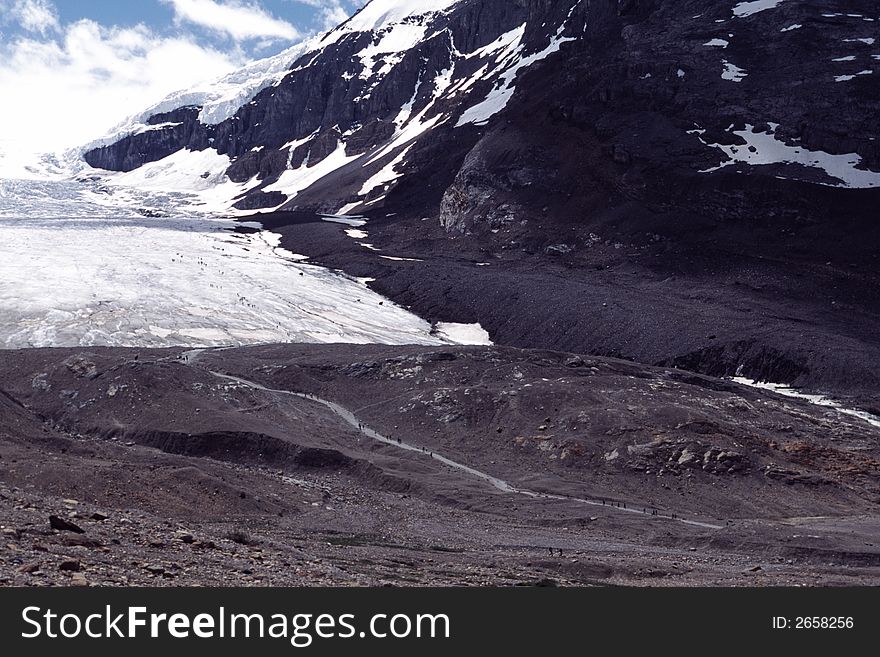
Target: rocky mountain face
688,183
689,85
354,106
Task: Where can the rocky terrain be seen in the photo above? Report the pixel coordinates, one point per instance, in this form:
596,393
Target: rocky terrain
500,467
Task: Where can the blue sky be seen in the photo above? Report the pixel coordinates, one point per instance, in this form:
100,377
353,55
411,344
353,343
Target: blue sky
78,67
306,16
170,17
161,15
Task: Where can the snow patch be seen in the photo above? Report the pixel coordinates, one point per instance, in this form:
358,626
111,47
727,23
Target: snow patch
397,259
413,128
847,78
294,181
744,9
472,334
388,46
345,220
732,72
386,175
498,98
765,148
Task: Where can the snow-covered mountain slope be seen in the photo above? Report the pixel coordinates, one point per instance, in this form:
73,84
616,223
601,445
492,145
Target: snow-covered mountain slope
339,122
380,14
353,103
218,100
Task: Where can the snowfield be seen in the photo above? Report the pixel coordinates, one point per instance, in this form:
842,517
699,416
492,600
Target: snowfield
196,282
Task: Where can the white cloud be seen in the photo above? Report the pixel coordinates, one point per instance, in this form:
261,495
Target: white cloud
236,19
67,89
38,16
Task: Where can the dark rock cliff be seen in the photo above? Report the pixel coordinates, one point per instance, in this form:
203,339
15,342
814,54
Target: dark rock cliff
654,87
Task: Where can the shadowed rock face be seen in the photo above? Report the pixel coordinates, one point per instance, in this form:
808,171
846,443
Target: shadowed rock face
175,130
609,178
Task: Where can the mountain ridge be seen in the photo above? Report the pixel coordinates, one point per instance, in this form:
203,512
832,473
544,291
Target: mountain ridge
296,122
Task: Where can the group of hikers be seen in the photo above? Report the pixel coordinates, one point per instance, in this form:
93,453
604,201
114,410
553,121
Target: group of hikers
620,505
362,428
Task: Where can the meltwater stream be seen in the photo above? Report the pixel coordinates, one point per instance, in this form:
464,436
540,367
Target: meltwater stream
816,400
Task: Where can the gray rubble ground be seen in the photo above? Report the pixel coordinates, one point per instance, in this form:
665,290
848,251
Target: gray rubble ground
178,477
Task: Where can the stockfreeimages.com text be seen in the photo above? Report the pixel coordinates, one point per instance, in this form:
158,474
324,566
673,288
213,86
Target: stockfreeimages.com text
300,629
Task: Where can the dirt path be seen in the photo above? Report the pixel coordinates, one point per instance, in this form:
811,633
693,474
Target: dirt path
499,484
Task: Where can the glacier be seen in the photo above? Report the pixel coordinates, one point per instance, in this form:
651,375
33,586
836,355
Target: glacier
151,282
94,261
